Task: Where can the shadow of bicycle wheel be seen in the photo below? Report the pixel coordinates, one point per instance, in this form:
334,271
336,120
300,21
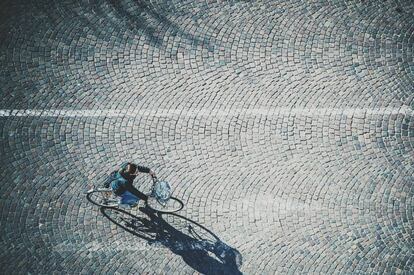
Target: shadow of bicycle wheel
198,246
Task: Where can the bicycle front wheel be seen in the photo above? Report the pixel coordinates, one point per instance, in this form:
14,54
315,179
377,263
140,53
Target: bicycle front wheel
171,206
102,197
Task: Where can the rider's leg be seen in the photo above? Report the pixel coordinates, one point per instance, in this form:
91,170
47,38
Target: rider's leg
127,198
137,193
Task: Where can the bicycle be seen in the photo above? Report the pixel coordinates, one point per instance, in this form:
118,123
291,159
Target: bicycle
159,199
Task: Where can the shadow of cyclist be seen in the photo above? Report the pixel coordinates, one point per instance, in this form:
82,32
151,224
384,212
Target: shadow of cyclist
200,248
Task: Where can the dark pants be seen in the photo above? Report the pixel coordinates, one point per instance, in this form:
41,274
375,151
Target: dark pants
138,194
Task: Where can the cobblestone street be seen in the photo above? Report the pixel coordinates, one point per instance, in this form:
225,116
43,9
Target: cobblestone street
285,127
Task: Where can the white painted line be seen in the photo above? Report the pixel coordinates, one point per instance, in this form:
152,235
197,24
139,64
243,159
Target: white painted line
206,112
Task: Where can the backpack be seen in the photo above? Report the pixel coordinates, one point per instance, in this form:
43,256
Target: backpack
110,178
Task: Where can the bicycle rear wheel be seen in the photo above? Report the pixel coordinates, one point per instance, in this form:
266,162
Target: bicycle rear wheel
103,197
171,206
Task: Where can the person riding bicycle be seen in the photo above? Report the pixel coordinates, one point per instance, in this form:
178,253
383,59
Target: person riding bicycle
122,183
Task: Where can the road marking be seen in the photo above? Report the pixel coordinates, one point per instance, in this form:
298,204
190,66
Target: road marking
207,112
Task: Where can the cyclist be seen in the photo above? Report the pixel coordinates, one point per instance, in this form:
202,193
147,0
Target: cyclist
122,184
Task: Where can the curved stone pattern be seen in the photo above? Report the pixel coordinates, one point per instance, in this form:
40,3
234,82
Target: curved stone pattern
286,127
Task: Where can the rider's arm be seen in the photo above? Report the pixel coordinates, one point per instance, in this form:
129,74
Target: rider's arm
140,168
144,169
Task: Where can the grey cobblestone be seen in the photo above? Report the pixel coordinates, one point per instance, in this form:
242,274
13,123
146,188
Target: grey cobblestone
318,180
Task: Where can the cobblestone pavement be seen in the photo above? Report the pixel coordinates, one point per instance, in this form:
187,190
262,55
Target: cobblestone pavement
286,127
